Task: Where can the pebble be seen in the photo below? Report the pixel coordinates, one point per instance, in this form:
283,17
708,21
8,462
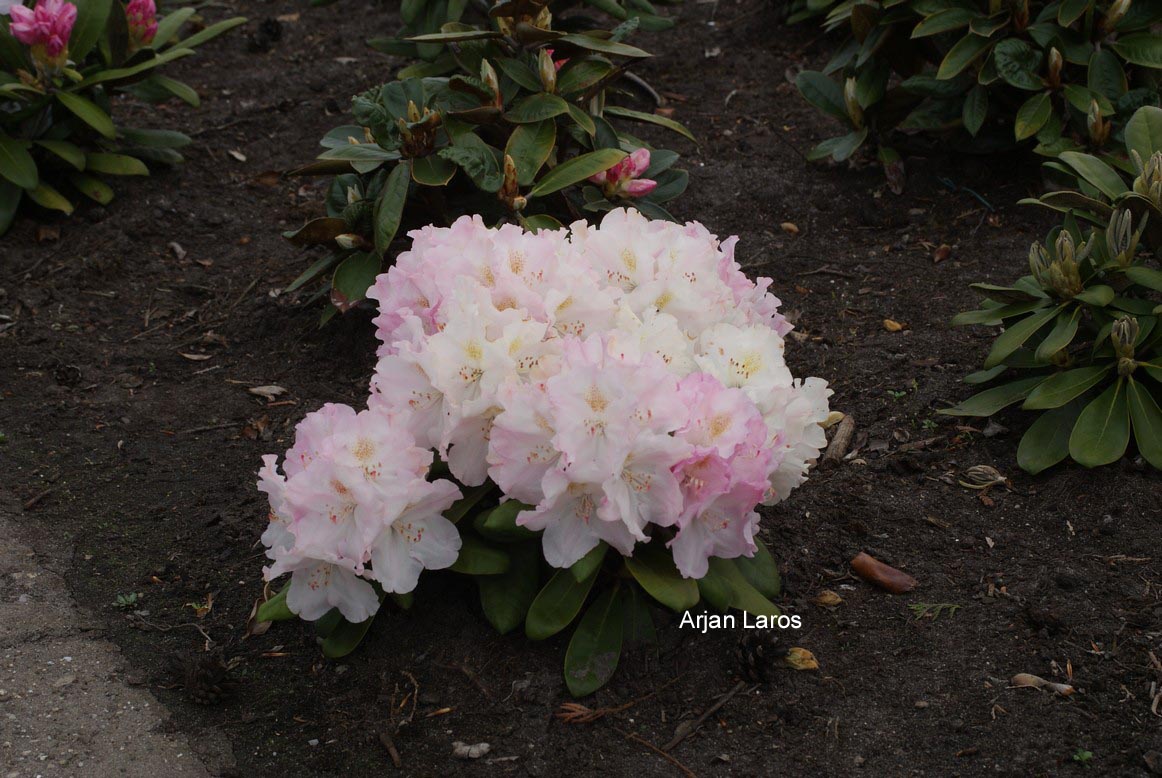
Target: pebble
921,703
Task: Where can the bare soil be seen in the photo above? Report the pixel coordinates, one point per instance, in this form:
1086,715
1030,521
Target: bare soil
137,461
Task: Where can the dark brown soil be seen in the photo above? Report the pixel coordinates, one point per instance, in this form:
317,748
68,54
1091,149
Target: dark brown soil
138,462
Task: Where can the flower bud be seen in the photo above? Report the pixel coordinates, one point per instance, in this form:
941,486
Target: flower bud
1149,180
854,111
1123,335
1059,272
1115,14
1055,65
1099,128
548,70
352,195
413,112
509,192
1122,239
488,76
348,240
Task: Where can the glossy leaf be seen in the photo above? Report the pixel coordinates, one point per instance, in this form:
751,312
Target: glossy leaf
590,563
1143,49
1146,418
1060,336
530,146
595,647
389,207
975,109
346,637
649,118
87,29
557,604
823,93
1015,336
761,571
1096,172
432,170
962,54
1102,432
93,188
990,401
743,596
536,108
601,45
1018,64
1046,442
85,110
506,598
115,165
1062,387
353,278
480,558
576,170
500,522
1145,276
16,164
653,567
1144,131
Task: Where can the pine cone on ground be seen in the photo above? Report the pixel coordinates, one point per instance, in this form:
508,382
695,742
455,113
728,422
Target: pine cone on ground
757,654
206,679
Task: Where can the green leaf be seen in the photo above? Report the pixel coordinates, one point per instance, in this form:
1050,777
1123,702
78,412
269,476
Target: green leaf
1072,10
479,558
389,207
520,73
1047,441
990,401
639,623
1102,432
536,108
169,25
211,32
456,37
16,164
115,165
354,277
557,604
976,107
470,500
1017,63
158,139
1144,131
275,609
575,170
993,316
432,170
316,231
963,54
1105,74
823,93
1061,388
716,590
182,91
47,197
90,23
601,45
1099,295
1015,336
477,159
649,118
582,119
89,113
500,522
326,624
1147,421
1145,276
595,647
984,376
126,73
540,221
530,146
1095,172
1144,48
1060,336
653,567
93,188
761,571
1032,115
840,148
317,268
506,598
10,197
590,563
950,19
743,596
65,151
346,637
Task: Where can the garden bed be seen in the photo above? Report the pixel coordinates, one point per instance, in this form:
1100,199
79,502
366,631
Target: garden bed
133,441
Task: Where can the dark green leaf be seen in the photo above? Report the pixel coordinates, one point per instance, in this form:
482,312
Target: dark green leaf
1072,10
576,170
354,277
1062,387
477,159
93,188
506,598
653,567
479,558
963,54
590,563
10,197
432,170
1060,336
761,571
346,637
529,146
823,93
595,647
840,148
649,118
275,609
90,23
601,45
1015,336
1047,441
1099,295
1144,48
211,32
951,19
1032,115
536,108
1018,63
1102,432
115,165
557,604
500,522
16,164
1096,172
976,106
1147,421
1145,276
47,197
89,113
743,596
1105,74
322,230
1144,131
389,206
990,401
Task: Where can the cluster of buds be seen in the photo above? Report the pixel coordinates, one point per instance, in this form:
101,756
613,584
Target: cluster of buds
1059,272
1121,237
45,30
512,15
622,179
1114,15
1149,180
418,131
1099,126
851,102
1123,335
509,192
141,15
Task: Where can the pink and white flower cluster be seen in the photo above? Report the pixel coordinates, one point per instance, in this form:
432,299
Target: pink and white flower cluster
45,29
625,381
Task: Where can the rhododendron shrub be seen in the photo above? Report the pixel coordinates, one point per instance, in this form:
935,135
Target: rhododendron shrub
620,386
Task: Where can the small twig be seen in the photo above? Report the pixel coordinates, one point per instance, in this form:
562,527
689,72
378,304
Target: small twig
209,428
837,449
576,713
686,729
828,270
389,744
637,739
30,504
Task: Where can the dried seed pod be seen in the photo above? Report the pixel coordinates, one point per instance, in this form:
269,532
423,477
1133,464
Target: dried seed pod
981,477
884,576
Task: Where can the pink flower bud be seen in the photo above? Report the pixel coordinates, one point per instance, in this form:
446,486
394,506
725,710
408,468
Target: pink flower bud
141,15
45,30
621,179
639,187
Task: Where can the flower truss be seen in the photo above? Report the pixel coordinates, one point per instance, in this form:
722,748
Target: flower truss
622,383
